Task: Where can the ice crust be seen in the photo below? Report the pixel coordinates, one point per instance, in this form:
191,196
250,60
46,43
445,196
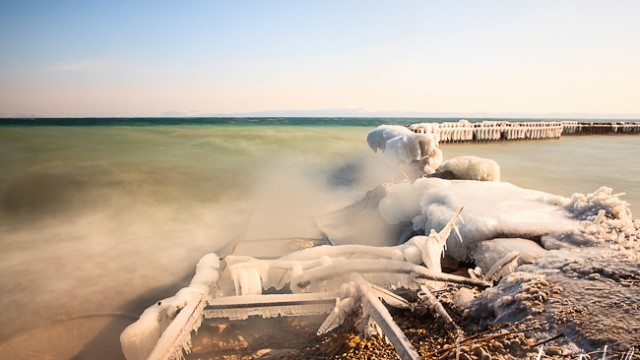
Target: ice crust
491,210
389,266
401,145
139,339
471,168
490,252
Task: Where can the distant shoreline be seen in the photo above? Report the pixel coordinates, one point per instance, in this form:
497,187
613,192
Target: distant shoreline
261,121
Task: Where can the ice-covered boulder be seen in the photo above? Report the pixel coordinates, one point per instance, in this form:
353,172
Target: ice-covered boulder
491,210
378,137
401,145
470,168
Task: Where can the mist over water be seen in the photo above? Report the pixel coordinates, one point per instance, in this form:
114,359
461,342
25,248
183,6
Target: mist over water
93,219
97,223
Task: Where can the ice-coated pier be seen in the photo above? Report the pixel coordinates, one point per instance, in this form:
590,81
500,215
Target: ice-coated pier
464,130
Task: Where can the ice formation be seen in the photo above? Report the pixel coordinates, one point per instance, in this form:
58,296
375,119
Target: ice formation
491,251
401,145
377,138
470,168
491,210
164,329
354,275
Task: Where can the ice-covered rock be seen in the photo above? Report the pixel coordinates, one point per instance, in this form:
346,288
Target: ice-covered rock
401,145
378,137
587,294
491,210
470,168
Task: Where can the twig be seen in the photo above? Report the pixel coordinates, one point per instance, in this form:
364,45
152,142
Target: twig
547,340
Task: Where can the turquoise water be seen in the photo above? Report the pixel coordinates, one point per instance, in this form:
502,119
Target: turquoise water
99,220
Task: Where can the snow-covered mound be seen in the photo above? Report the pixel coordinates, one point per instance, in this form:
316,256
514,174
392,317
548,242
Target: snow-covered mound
491,210
470,168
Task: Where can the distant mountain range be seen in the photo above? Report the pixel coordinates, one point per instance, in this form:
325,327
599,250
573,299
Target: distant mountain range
365,113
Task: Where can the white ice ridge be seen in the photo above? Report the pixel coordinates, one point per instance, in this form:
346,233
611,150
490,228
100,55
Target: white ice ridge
491,210
164,329
597,205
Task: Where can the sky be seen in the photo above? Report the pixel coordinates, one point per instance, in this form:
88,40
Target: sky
83,58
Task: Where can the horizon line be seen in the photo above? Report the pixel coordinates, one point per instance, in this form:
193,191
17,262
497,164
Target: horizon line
348,113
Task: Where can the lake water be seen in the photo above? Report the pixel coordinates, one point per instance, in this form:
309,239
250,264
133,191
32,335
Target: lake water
98,222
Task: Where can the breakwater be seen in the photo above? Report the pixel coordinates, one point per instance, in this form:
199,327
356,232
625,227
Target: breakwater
464,130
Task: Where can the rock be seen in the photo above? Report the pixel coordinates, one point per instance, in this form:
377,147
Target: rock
554,350
498,346
463,297
507,300
268,354
465,356
471,168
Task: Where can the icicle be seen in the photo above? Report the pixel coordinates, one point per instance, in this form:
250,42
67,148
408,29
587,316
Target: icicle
337,316
390,298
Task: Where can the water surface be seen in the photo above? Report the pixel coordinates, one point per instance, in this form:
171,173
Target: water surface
97,222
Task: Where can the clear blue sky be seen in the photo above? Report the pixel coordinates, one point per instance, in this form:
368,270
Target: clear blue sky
146,58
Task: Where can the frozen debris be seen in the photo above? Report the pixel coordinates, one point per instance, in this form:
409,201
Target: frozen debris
269,306
360,292
164,329
333,279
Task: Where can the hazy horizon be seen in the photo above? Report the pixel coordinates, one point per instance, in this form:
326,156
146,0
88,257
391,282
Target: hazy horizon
332,113
369,58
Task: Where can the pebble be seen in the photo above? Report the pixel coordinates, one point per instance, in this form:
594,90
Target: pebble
498,346
553,350
526,304
507,300
593,276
